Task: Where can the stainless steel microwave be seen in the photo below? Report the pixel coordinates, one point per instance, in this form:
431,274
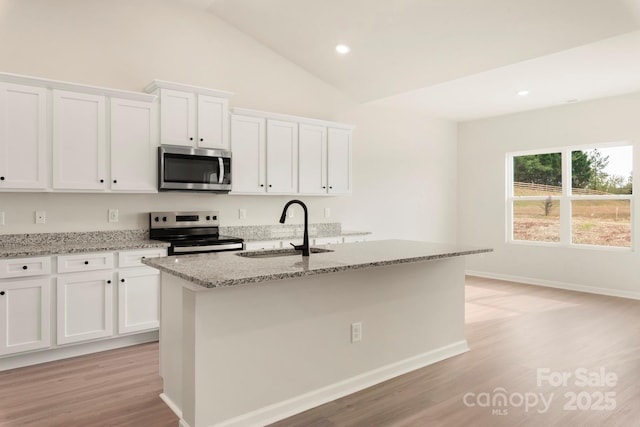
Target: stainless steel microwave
193,169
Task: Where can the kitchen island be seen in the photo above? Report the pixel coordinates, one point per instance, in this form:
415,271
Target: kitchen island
248,340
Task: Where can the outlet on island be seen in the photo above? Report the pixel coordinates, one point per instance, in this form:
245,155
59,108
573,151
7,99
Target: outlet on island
41,217
113,215
356,332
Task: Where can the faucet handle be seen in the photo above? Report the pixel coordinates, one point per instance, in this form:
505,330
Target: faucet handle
297,247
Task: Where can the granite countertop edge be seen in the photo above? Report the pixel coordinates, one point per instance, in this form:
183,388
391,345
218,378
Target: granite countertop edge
76,247
326,270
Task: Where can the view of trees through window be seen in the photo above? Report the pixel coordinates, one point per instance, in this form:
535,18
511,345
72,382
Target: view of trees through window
598,202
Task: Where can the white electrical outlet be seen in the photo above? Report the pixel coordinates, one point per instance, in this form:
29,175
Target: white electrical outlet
1,218
41,217
242,213
290,213
113,215
356,332
327,212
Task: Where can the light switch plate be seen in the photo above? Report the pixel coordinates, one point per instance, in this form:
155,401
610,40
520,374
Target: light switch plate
327,212
242,213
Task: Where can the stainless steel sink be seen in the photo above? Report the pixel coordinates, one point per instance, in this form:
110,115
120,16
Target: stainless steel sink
274,253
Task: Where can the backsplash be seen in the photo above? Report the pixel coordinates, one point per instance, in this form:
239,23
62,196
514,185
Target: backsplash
277,231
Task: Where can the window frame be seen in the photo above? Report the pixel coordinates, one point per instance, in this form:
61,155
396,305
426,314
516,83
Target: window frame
566,198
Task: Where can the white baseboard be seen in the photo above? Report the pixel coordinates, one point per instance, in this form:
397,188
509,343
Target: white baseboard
74,350
555,284
171,404
287,408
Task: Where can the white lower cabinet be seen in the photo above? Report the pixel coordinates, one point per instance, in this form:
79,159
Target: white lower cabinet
138,299
25,321
85,306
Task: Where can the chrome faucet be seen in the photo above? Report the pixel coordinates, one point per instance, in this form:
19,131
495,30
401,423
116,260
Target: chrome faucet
305,239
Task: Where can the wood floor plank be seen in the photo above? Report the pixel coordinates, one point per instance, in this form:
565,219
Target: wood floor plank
512,330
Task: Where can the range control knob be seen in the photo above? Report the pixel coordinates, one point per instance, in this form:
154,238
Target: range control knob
214,217
156,219
164,218
208,218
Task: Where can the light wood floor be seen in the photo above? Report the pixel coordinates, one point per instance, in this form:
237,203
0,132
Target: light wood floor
512,330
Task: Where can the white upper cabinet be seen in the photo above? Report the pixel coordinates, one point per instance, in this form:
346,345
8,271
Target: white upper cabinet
133,146
248,154
339,161
282,157
177,117
79,141
313,159
213,122
192,116
23,154
279,154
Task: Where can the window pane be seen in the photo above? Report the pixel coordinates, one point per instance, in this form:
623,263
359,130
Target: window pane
601,222
536,220
537,175
602,171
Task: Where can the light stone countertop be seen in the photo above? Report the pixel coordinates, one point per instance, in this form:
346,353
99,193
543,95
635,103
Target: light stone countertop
222,269
42,244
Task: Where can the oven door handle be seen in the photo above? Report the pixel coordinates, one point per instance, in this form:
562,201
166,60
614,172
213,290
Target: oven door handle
208,248
220,170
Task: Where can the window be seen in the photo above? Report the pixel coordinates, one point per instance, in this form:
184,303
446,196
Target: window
571,196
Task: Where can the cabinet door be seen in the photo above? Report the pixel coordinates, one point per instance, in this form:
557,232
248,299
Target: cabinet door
282,157
133,146
78,141
248,148
177,117
213,122
313,159
339,161
25,312
138,300
85,306
22,137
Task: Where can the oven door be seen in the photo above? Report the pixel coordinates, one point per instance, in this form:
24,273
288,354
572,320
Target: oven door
193,169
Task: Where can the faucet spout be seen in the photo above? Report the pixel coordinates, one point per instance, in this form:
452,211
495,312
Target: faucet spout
305,238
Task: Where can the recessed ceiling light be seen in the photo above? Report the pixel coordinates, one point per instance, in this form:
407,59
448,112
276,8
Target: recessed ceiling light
343,49
523,92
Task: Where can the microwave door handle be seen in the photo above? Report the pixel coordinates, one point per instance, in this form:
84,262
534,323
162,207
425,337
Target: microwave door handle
220,170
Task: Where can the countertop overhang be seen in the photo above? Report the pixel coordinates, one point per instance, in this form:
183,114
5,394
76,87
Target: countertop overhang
222,269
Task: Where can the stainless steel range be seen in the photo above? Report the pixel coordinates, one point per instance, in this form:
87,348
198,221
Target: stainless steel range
191,232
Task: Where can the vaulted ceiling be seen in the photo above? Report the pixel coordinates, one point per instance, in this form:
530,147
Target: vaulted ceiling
458,59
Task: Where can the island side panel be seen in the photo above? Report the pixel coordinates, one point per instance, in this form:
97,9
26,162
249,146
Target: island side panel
171,341
267,350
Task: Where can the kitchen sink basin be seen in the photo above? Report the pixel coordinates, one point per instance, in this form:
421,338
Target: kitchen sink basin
275,253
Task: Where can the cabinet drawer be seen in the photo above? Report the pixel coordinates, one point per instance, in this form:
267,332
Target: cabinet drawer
134,258
24,267
328,240
85,262
270,244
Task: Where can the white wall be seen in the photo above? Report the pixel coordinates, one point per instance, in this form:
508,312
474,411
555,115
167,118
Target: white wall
404,165
482,146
